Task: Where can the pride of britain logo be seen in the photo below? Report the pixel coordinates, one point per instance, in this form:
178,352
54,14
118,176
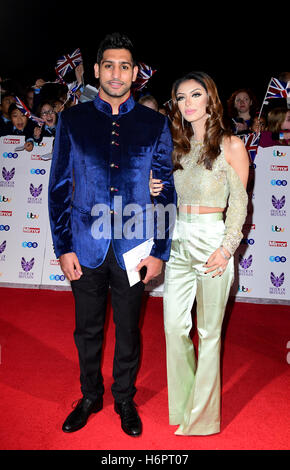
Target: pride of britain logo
245,264
277,282
26,266
278,205
7,176
35,192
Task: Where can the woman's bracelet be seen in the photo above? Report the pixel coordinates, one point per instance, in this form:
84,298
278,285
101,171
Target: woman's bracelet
223,253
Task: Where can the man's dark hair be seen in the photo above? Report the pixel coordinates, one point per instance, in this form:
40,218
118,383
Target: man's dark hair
115,41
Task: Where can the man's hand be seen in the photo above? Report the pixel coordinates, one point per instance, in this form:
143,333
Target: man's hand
153,265
70,266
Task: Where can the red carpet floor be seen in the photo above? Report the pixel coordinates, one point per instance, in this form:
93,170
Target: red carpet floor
39,379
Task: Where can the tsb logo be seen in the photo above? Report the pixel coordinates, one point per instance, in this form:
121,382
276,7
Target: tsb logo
278,259
247,241
37,171
57,277
10,155
279,182
29,244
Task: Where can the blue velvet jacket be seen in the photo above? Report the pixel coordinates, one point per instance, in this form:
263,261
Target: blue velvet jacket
99,181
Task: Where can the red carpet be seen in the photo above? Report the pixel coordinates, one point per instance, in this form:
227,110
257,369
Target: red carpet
39,379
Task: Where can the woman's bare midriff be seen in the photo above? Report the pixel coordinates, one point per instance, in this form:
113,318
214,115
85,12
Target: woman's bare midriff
199,209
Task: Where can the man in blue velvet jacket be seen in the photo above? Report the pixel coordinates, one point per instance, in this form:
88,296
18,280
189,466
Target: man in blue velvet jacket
104,151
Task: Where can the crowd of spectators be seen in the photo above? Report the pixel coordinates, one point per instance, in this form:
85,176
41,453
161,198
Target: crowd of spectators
45,100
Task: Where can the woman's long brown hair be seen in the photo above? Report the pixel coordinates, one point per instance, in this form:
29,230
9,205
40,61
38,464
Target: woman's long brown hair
214,128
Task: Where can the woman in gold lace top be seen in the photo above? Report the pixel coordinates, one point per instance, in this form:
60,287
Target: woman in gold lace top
211,172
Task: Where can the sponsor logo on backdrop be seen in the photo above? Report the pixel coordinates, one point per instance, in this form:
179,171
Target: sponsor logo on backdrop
39,144
245,290
279,167
54,262
2,249
247,241
30,215
29,244
245,264
57,277
26,266
278,205
7,176
250,226
31,229
10,140
35,192
277,243
35,157
37,171
278,153
275,228
10,155
6,213
4,227
5,198
278,182
277,259
277,282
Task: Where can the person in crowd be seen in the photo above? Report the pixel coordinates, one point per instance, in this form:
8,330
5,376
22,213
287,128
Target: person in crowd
210,171
6,125
278,129
242,106
259,124
47,113
105,149
150,101
21,125
29,97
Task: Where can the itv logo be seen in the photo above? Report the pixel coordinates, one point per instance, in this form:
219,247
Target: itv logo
277,153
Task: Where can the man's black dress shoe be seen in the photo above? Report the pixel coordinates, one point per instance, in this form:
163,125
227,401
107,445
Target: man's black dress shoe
78,418
130,420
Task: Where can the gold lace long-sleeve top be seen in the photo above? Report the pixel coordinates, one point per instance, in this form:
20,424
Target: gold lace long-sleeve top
197,186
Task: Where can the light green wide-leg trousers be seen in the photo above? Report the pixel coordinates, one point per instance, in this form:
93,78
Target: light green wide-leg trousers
194,384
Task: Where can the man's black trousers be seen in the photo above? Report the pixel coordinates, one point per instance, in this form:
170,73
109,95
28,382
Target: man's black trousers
91,296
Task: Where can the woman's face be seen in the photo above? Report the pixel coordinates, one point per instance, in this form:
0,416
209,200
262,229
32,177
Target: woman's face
48,115
192,101
242,102
18,119
286,124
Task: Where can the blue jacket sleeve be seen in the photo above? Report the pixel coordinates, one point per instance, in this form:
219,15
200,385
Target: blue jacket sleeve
165,203
60,191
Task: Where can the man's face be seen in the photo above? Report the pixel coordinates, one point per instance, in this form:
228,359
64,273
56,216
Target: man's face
116,73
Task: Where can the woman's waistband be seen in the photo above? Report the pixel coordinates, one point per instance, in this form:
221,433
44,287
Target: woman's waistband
199,218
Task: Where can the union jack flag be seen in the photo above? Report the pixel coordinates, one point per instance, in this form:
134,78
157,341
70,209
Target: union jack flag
278,89
68,62
144,74
73,88
251,142
21,106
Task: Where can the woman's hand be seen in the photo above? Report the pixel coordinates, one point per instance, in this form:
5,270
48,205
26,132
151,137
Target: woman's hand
155,186
217,263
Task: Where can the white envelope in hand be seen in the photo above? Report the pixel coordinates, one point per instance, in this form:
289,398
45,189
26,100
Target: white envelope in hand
133,257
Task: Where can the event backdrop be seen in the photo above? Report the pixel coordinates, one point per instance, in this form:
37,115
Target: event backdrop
26,250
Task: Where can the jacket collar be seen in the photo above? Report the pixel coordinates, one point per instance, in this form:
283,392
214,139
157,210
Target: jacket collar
106,108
